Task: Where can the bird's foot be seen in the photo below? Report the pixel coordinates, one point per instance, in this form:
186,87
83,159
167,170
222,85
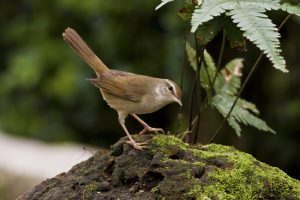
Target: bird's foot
150,129
137,145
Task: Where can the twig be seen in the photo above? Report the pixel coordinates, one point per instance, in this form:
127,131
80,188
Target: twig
192,102
199,61
181,83
220,58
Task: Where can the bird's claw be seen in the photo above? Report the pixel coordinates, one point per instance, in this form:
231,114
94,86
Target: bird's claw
150,129
138,145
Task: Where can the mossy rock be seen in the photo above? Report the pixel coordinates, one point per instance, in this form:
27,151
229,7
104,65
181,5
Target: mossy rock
169,169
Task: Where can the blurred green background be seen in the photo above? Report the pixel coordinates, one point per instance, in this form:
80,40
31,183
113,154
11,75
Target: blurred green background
44,94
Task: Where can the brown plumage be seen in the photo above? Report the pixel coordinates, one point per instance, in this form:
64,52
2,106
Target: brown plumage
127,93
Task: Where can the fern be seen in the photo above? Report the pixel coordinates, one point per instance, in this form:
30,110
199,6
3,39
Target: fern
234,35
226,87
191,54
250,18
260,30
239,114
211,67
240,20
186,12
163,2
209,30
290,8
212,8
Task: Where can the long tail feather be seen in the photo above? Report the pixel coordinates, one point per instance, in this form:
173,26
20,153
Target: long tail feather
84,51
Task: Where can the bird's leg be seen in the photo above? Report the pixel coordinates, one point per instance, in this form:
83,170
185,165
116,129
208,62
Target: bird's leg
135,144
147,128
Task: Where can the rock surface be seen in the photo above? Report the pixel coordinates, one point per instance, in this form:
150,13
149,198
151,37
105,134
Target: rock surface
168,169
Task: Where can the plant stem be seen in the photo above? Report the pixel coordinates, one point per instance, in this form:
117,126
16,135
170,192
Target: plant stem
181,84
212,83
192,102
243,86
284,21
220,58
199,60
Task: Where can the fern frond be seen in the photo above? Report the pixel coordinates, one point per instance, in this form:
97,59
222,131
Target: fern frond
211,67
250,18
210,9
234,35
191,55
207,71
207,31
248,105
264,4
226,87
231,77
162,3
290,8
239,114
205,76
260,30
186,12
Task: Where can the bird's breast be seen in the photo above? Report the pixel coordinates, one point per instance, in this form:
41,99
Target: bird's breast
148,104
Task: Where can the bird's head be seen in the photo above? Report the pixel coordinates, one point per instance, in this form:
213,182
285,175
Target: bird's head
170,91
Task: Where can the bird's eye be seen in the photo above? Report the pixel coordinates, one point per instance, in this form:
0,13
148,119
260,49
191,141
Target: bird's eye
170,88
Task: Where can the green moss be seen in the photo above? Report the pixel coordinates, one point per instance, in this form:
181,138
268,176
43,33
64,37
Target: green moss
199,164
172,169
155,190
213,150
229,173
91,187
165,142
187,175
79,178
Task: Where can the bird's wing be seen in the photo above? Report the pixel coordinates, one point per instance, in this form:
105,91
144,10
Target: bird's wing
121,84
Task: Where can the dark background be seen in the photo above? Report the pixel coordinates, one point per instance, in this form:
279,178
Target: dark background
44,94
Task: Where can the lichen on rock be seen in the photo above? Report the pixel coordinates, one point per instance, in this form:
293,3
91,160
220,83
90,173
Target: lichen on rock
169,169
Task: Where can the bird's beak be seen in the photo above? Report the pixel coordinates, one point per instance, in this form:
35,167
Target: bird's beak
177,100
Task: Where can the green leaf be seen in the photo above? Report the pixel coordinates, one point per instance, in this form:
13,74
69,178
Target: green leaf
210,9
163,2
248,105
207,72
290,8
186,12
211,67
230,81
204,75
260,30
250,18
239,114
227,89
234,35
209,30
226,86
191,54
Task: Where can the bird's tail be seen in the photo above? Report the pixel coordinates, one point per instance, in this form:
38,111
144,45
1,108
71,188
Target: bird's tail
84,51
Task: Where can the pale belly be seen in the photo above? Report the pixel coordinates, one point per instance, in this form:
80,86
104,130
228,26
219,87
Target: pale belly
148,105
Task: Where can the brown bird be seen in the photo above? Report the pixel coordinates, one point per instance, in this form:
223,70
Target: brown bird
126,92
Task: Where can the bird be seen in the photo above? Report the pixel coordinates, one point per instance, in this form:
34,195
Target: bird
127,93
